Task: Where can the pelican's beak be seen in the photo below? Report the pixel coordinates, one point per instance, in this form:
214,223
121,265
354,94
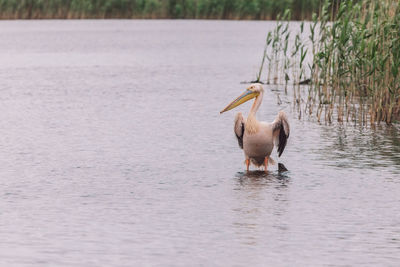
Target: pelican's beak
246,96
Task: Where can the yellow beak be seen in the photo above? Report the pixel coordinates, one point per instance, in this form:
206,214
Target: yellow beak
246,96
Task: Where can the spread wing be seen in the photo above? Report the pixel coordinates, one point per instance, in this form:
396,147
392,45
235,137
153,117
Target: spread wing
281,131
239,128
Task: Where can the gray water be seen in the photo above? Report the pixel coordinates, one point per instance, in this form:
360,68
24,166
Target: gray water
113,153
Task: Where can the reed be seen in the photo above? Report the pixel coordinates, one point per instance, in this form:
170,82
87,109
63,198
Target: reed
353,64
161,9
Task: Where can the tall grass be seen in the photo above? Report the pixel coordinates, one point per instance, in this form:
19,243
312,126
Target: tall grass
354,61
175,9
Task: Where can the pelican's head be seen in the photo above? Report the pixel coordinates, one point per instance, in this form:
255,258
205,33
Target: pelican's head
251,92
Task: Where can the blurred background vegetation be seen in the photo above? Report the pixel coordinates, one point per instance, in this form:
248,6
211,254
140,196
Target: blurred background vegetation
156,9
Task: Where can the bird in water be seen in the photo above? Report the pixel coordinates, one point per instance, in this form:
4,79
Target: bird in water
257,138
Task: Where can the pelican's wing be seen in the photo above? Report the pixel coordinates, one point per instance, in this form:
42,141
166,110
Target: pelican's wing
281,131
239,128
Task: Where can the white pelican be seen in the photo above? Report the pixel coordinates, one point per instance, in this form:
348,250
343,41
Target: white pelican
257,138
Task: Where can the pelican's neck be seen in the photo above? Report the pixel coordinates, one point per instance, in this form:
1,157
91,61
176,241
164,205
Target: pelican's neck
252,124
256,104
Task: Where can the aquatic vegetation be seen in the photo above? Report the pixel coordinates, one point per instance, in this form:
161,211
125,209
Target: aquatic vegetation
175,9
353,61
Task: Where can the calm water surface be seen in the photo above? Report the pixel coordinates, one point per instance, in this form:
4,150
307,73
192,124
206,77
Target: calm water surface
113,153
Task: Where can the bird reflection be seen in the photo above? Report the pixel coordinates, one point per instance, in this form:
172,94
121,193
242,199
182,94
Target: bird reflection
261,201
257,177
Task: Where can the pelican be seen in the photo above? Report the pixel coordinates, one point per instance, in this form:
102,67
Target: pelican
257,138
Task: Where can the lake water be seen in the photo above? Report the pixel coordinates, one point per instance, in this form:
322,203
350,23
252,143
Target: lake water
113,153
